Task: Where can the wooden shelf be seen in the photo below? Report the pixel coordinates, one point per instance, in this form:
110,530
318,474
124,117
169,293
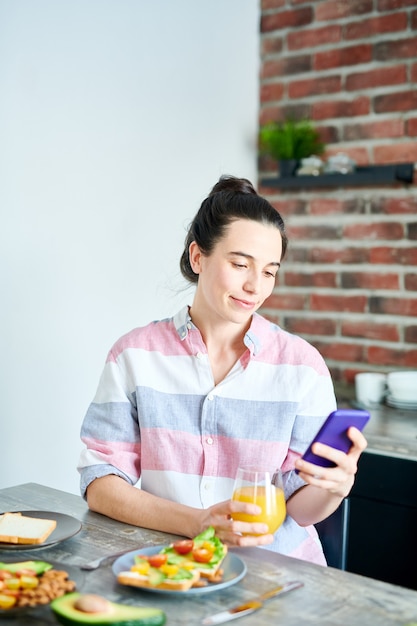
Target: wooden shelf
369,175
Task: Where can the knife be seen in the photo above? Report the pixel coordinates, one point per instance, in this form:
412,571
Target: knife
251,606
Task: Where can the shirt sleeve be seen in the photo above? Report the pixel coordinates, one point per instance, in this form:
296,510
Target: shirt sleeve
110,430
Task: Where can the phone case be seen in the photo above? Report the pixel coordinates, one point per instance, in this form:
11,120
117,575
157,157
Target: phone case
334,433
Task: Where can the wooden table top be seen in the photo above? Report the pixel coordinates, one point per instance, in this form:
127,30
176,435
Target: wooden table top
330,597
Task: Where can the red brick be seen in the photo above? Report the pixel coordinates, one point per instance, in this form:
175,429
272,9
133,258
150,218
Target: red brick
341,57
348,351
374,230
414,20
399,101
324,302
290,206
395,49
364,29
286,19
367,280
314,231
374,130
410,334
315,279
271,91
396,75
286,66
399,205
343,255
410,282
285,301
386,357
414,73
331,10
411,127
311,38
399,256
340,108
370,330
314,86
272,4
393,306
396,153
391,5
271,45
412,231
327,206
305,326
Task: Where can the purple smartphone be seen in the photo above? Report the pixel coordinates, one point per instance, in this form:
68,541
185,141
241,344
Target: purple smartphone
334,433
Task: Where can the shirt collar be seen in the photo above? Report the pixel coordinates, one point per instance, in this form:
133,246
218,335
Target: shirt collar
183,324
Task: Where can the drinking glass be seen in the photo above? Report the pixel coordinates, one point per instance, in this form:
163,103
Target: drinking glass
260,487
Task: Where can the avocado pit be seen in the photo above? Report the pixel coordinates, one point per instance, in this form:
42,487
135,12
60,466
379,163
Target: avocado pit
91,603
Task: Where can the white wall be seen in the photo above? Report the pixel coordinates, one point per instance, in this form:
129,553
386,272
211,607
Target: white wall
116,118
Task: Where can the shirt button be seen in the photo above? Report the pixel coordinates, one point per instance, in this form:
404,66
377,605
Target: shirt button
199,355
189,326
210,396
207,486
210,441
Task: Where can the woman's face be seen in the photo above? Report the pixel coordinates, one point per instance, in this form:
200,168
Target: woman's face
239,274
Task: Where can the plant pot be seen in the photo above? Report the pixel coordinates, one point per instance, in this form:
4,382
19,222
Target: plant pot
288,167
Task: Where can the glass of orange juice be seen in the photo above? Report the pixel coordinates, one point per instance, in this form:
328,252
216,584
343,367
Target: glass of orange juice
260,487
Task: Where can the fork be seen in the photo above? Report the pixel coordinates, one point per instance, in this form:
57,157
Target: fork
95,563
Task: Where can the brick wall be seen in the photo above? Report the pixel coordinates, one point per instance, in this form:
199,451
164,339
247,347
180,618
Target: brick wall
349,282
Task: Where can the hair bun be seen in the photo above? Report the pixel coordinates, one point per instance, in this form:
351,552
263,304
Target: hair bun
232,183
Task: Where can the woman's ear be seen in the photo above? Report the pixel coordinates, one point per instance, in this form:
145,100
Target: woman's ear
195,255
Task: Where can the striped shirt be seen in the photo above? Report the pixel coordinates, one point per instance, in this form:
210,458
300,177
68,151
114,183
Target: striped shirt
159,421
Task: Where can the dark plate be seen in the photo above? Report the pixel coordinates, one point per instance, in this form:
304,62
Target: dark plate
66,527
233,567
74,574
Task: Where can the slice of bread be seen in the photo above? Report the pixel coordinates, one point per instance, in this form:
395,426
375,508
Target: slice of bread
137,580
21,529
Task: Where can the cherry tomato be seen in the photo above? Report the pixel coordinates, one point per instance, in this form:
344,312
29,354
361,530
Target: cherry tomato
202,555
156,560
183,547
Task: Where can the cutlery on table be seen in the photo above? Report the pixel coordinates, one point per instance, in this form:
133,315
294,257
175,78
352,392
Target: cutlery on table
251,606
97,562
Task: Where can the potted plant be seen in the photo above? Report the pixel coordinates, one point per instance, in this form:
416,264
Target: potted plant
290,141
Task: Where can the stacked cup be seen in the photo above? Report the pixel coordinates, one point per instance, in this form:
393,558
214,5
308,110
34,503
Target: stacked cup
370,388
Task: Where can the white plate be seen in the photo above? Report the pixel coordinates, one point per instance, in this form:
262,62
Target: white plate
66,527
233,568
400,404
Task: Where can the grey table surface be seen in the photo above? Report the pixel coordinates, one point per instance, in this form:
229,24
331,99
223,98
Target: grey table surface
329,596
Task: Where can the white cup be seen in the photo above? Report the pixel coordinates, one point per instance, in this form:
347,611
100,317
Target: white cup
370,388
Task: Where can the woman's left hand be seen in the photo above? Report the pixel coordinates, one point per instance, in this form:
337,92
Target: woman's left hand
337,480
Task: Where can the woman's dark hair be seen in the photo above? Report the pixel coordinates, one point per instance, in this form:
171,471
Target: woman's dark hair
230,199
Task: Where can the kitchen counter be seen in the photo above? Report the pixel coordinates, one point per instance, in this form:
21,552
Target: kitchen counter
390,431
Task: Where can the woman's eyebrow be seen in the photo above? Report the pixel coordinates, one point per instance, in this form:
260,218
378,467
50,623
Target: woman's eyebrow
252,258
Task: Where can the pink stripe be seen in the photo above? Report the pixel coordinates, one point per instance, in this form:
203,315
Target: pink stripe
123,455
309,550
158,336
178,451
286,349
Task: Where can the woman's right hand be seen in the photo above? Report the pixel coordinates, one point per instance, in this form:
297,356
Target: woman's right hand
233,532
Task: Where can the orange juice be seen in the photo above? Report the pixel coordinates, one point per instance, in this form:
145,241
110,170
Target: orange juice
271,500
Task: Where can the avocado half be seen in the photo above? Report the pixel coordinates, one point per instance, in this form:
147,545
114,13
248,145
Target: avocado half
116,614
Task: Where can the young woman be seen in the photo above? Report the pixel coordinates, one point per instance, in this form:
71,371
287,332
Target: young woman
184,401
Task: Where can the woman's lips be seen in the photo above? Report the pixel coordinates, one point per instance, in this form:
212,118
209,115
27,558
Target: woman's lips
244,303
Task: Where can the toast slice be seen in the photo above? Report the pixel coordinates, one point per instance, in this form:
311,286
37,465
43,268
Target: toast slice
135,579
21,529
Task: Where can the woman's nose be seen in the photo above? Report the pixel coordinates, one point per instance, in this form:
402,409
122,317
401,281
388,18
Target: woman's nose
252,282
